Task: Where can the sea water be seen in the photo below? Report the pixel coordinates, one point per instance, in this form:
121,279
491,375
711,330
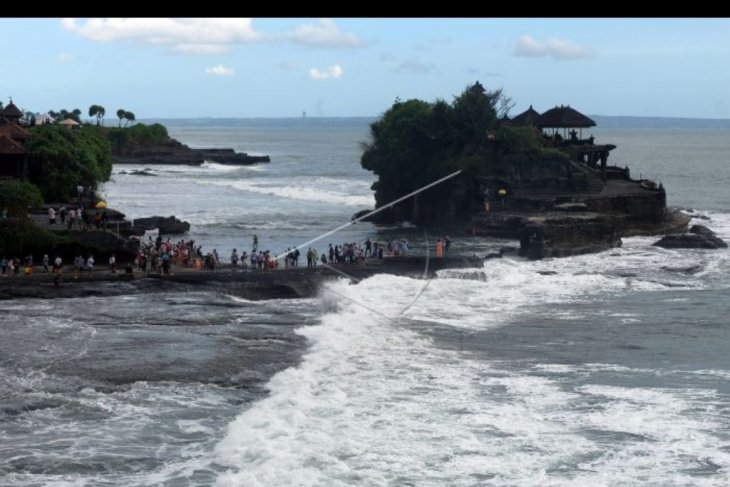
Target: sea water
603,369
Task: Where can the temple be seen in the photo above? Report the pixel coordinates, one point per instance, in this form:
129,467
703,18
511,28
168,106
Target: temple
565,198
13,155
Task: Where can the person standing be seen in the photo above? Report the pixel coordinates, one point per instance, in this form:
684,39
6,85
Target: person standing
234,258
71,218
45,263
447,243
113,264
439,248
255,243
51,216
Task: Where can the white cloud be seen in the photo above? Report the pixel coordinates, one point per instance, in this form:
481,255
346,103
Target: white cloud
415,66
219,70
560,49
189,36
333,72
325,33
65,57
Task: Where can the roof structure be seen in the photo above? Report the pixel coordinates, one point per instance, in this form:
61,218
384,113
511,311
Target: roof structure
11,111
10,147
563,117
526,118
69,121
14,131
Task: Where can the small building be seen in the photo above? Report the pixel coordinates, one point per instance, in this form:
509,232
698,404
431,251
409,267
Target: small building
12,113
564,117
70,123
43,118
526,118
13,155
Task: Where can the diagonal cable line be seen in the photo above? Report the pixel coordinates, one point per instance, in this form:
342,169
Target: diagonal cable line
375,211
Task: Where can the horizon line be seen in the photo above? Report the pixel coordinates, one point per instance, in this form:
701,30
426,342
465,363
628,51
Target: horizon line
308,117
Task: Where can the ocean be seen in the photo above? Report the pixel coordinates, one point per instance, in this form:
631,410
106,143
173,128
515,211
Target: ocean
608,369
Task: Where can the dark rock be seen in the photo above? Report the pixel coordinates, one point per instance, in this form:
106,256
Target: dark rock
704,231
174,152
168,225
360,214
693,269
100,244
700,237
144,172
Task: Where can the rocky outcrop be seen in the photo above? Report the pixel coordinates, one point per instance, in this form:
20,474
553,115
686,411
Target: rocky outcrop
100,244
174,152
166,225
699,237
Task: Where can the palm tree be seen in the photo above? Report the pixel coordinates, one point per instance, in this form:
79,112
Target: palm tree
98,112
120,115
129,116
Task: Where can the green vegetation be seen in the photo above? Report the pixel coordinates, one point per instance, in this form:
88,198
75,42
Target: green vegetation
98,112
17,196
19,237
63,114
124,140
123,114
120,115
60,159
415,143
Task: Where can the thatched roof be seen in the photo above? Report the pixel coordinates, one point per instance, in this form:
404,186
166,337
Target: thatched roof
10,147
563,117
528,117
13,130
11,111
69,121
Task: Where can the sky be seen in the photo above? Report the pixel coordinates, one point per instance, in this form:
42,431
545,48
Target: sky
236,67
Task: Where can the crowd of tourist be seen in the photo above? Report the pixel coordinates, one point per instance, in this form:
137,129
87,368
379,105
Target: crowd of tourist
162,256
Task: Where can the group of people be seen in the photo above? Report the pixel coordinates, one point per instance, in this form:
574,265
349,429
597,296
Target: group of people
160,256
12,266
78,217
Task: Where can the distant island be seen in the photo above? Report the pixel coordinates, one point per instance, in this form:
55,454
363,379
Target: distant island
151,144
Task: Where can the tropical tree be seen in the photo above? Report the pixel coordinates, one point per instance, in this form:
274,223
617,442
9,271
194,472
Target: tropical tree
415,142
60,159
120,115
98,112
129,117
